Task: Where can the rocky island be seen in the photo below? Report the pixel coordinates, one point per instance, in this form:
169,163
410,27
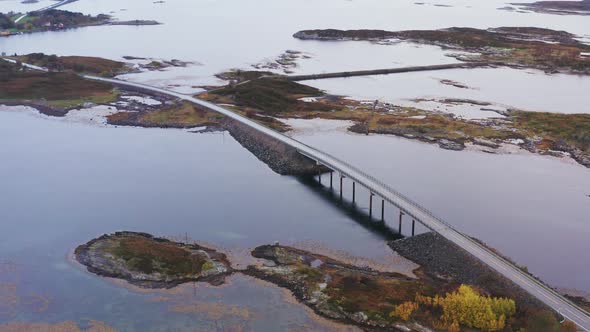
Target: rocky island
581,7
152,262
520,47
56,19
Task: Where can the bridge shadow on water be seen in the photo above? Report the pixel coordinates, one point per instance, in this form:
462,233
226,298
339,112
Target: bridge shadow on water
352,210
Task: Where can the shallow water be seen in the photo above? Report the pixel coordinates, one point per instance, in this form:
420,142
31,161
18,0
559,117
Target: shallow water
524,89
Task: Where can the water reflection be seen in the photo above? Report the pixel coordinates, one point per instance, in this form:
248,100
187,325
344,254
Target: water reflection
352,210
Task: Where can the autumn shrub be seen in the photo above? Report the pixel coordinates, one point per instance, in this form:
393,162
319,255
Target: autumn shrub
405,310
466,307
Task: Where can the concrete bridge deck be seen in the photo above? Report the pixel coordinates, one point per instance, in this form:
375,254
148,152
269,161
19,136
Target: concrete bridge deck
534,287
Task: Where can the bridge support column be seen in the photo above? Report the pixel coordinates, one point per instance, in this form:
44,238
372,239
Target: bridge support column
320,177
413,226
371,204
382,210
341,188
401,214
353,191
331,186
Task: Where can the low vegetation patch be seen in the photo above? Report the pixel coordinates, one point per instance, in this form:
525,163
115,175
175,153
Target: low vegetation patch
373,299
61,90
181,115
555,128
152,262
78,64
271,95
52,19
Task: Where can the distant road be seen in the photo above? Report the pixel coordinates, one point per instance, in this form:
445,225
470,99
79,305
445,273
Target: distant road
534,287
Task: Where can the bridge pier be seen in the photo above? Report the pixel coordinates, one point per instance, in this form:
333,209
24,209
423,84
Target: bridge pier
371,204
401,214
341,188
382,210
413,226
353,191
320,176
331,186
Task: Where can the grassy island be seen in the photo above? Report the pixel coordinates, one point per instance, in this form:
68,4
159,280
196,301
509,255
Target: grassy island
52,19
52,93
152,262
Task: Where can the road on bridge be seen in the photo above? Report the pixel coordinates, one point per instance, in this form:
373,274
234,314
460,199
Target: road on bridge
534,287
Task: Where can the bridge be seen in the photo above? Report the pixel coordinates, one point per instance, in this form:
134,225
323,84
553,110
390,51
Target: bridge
407,207
386,71
53,6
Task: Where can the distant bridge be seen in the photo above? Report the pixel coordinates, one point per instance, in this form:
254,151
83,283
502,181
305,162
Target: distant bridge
406,206
53,6
385,71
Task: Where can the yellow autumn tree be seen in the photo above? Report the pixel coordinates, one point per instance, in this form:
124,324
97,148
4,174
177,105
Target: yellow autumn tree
467,307
405,310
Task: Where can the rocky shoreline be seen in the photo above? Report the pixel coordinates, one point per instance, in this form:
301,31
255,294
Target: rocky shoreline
281,158
580,7
443,260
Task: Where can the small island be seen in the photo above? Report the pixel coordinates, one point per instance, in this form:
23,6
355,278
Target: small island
151,262
52,93
55,19
519,47
580,7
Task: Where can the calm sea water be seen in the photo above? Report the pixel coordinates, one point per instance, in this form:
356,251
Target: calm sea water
65,182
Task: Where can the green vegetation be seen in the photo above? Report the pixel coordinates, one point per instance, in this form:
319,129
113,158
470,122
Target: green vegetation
59,89
271,95
6,22
79,64
96,99
435,126
555,128
152,262
52,19
148,256
183,115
